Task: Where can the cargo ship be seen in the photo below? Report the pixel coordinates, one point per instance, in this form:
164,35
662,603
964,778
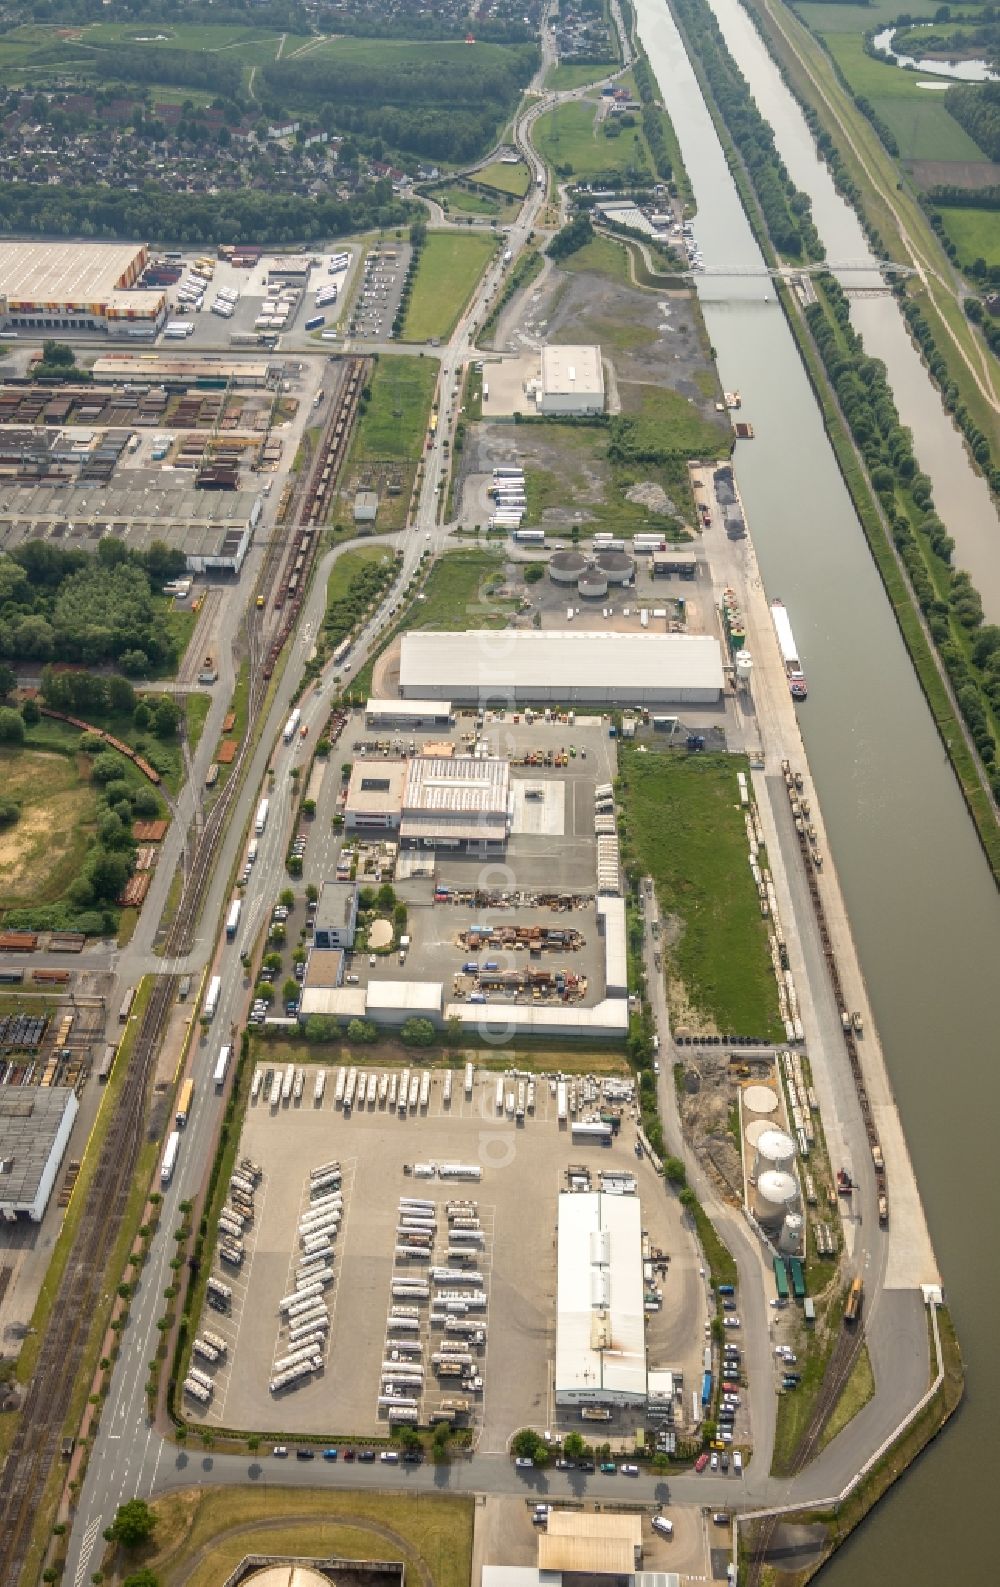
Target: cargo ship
789,653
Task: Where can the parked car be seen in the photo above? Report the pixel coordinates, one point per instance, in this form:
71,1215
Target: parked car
367,1455
737,1462
280,1452
608,1467
662,1524
523,1462
305,1454
330,1454
714,1462
701,1463
630,1471
565,1465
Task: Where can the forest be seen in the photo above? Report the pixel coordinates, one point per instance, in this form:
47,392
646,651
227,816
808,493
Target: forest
193,218
446,110
62,605
976,107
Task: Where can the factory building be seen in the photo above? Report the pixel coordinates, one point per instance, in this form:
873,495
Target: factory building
49,287
214,529
35,1127
601,1320
572,381
456,802
336,916
561,667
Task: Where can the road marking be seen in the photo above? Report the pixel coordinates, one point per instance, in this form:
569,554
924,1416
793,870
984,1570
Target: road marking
86,1549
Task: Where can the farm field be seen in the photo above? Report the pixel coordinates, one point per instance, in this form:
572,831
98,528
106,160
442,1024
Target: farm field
686,830
975,233
860,19
450,265
923,128
570,140
512,179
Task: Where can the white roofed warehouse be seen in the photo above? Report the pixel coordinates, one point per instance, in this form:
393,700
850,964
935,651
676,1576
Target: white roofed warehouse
561,667
601,1321
572,380
456,802
78,286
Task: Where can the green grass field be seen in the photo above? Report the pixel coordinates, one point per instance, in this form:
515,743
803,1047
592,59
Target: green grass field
665,418
975,233
465,201
684,826
458,594
860,19
395,420
347,567
575,75
450,265
512,179
569,139
602,256
923,127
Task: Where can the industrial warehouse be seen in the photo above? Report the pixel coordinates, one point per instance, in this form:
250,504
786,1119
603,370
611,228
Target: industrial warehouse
601,1337
48,287
562,667
35,1127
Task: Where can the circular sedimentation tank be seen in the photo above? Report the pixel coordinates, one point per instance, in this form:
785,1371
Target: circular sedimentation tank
565,567
592,585
760,1099
617,566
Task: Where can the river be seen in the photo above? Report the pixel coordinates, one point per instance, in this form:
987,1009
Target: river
924,909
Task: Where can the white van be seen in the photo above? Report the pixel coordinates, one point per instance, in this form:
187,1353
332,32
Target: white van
661,1524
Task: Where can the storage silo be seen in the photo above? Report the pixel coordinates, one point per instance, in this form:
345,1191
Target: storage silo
592,585
774,1149
790,1238
777,1194
744,666
565,567
617,566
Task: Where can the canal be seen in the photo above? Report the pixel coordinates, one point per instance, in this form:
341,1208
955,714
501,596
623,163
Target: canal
924,909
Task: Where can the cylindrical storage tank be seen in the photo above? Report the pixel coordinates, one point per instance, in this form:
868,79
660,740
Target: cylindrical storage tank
592,585
790,1239
777,1193
616,566
565,567
775,1150
744,665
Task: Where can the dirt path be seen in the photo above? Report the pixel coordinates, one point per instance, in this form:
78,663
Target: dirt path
275,1523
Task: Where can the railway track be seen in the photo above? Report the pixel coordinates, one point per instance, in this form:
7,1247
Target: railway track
47,1402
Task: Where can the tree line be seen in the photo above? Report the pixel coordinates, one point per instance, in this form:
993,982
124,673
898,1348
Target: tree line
198,219
787,212
976,107
951,606
58,604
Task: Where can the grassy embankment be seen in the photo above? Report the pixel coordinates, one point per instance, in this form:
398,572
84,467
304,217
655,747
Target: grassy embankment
683,826
456,196
562,78
889,202
389,439
203,1533
451,264
512,180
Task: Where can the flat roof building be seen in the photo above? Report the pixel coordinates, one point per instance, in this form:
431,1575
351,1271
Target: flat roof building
78,286
35,1127
591,1542
408,713
572,380
611,925
182,370
601,1321
456,802
336,915
214,529
563,667
375,796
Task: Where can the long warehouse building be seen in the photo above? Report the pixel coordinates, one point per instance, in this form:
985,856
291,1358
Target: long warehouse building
601,1319
78,286
527,666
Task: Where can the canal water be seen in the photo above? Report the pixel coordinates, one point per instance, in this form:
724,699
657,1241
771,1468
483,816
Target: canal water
961,495
924,909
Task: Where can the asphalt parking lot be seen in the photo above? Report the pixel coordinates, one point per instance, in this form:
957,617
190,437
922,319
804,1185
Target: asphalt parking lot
523,1169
